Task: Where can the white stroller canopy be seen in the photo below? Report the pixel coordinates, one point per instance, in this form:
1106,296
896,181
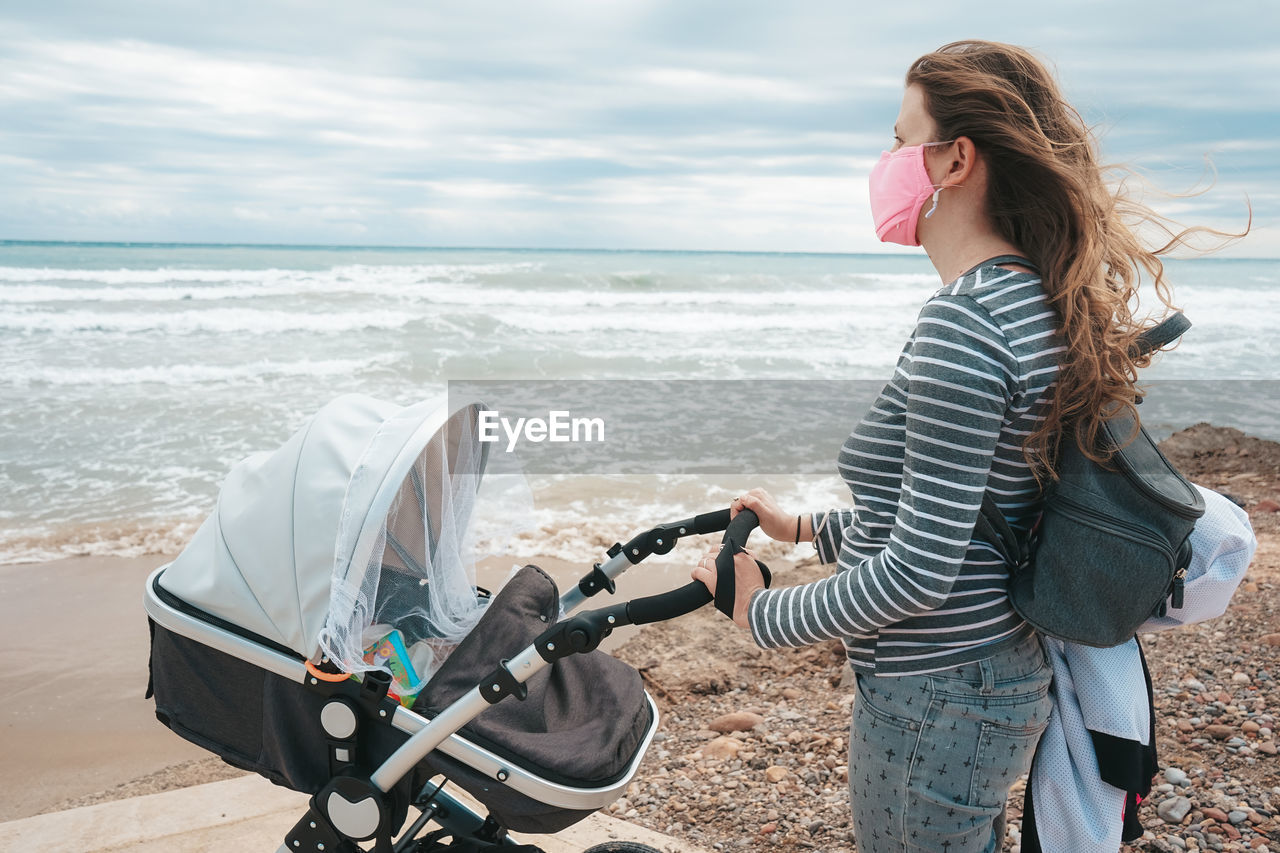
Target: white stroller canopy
301,536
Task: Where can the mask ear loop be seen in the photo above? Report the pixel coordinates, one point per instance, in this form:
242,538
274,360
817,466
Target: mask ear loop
935,203
938,189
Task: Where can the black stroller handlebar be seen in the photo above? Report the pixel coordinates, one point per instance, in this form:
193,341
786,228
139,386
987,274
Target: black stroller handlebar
662,538
691,596
583,632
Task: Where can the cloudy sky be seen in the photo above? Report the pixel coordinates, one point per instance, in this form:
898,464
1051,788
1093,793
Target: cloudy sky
595,123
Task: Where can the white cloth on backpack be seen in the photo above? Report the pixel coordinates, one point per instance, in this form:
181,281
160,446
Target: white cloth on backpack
1103,690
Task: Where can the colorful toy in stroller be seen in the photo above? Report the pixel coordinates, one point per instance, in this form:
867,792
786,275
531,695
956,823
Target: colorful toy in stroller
323,629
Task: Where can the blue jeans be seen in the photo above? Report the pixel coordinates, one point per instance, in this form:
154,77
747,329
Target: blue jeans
932,757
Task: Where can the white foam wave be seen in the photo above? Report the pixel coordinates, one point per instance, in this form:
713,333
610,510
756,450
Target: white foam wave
779,297
193,374
574,518
223,320
692,323
108,539
169,275
458,286
581,529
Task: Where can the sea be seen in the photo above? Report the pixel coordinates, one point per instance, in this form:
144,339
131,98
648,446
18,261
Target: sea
134,376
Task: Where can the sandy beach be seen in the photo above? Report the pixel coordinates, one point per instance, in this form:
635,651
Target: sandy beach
75,721
76,726
78,730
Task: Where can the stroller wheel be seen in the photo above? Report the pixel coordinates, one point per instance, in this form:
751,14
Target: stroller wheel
622,847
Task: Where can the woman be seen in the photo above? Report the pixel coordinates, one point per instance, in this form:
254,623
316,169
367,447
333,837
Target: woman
996,176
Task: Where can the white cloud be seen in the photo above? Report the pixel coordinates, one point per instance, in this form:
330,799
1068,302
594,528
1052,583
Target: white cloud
620,124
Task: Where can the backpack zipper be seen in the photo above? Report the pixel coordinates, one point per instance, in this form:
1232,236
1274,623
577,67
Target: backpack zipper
1141,535
1137,533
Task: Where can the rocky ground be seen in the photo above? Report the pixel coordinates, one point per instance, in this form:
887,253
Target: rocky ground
752,749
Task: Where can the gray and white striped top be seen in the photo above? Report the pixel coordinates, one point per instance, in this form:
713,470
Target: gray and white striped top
912,593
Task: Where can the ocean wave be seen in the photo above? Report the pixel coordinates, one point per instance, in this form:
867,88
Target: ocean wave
221,320
111,538
193,374
24,286
667,300
576,519
694,324
478,286
168,275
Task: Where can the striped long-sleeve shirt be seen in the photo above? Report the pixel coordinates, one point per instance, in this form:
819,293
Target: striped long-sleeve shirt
913,592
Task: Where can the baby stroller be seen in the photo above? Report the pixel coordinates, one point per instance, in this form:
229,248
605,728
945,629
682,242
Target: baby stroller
320,629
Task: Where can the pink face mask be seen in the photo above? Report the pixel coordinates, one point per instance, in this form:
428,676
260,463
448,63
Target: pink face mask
899,187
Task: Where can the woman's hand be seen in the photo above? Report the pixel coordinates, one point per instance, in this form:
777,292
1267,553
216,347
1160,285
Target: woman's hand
776,524
747,579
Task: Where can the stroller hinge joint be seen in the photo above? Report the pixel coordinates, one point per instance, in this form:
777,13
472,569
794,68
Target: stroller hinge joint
580,633
661,539
596,581
502,683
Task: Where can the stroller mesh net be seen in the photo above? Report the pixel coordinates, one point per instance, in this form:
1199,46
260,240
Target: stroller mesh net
410,603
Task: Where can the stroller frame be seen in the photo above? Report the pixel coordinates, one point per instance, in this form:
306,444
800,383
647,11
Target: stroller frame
352,809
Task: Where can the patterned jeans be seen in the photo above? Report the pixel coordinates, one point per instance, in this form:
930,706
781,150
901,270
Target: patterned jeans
932,757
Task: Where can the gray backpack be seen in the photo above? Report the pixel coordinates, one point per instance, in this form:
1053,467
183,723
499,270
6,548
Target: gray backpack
1111,547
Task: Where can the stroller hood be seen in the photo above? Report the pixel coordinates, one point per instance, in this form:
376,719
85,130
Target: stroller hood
290,523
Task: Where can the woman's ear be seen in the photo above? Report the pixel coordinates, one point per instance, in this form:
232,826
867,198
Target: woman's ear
961,159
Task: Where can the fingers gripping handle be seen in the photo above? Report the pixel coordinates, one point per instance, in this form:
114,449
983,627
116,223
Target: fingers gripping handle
691,596
726,579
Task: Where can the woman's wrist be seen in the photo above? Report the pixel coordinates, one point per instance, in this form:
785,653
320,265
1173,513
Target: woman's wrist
804,528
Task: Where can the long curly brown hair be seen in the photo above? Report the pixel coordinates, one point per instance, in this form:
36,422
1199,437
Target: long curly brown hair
1047,195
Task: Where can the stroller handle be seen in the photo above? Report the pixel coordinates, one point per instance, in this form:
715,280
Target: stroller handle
584,631
691,596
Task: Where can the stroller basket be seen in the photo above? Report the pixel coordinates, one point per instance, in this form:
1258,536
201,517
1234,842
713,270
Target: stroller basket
359,520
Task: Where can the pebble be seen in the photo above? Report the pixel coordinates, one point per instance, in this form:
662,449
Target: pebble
739,721
1214,814
1176,776
1174,810
722,748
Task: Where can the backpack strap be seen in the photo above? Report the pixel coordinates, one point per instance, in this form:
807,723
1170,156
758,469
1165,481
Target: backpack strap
1004,259
1162,334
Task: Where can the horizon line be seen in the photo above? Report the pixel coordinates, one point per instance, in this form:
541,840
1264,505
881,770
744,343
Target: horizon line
423,248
